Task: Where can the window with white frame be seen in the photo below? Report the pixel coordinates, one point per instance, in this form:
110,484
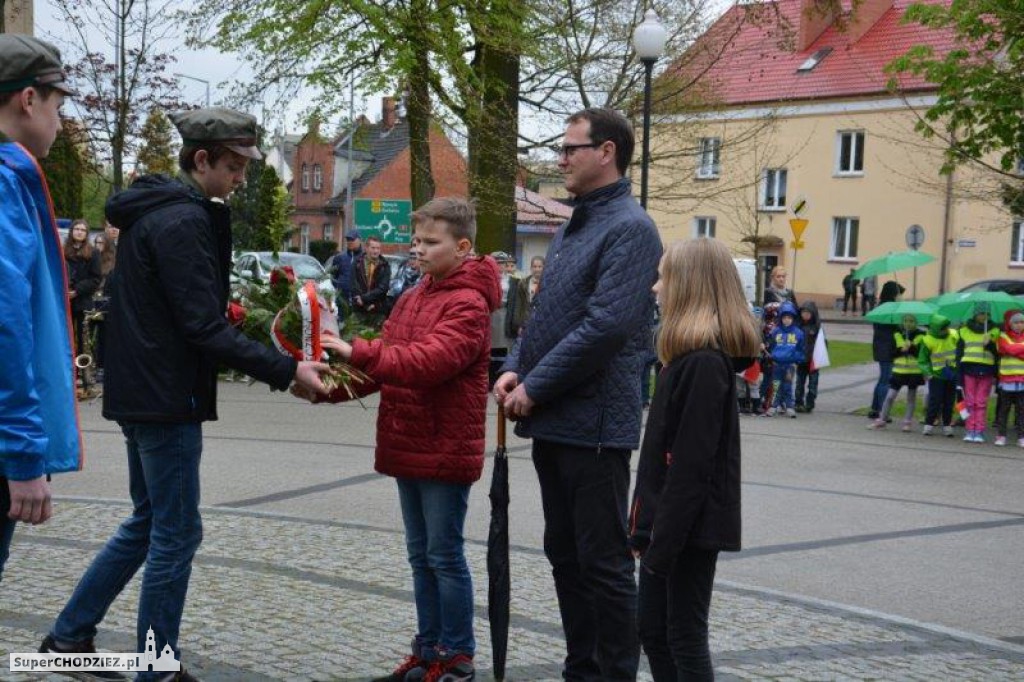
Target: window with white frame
850,153
328,231
773,189
1017,242
704,226
305,178
318,177
708,155
304,238
844,237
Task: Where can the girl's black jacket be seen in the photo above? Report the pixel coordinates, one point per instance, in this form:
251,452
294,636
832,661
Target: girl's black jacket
688,483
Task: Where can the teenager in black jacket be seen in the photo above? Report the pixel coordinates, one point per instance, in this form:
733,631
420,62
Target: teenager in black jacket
686,506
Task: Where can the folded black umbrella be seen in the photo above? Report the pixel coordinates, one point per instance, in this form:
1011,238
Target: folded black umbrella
499,584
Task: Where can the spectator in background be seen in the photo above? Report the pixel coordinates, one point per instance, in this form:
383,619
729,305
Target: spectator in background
406,277
806,373
850,292
343,266
883,348
84,277
868,290
106,244
777,292
520,298
371,278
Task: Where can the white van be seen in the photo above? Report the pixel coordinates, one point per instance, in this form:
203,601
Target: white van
747,268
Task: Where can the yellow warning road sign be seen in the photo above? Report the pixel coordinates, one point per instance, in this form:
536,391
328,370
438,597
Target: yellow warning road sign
798,225
797,244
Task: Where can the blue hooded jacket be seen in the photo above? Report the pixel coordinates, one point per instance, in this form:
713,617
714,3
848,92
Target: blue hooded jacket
39,430
787,342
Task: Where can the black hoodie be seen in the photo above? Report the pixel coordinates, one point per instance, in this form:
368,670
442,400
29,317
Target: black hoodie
810,329
166,329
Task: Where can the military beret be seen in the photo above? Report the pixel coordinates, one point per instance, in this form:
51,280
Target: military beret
26,61
227,127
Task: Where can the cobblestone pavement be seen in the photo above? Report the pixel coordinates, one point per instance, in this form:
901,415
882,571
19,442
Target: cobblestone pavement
279,598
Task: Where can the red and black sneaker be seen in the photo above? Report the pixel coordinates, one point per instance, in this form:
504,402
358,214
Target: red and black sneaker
412,669
458,668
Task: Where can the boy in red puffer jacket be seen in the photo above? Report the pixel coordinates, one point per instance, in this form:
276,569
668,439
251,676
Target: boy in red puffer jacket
1011,376
430,365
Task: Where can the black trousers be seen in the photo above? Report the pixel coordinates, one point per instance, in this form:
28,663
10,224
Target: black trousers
673,618
585,496
847,297
1008,399
941,397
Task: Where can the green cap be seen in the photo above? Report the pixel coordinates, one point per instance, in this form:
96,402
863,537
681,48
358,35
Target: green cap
26,61
232,129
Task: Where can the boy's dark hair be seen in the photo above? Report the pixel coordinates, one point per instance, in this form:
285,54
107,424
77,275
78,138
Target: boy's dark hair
458,214
608,125
187,155
45,91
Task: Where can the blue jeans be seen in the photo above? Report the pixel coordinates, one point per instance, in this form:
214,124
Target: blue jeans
882,387
783,377
434,513
164,532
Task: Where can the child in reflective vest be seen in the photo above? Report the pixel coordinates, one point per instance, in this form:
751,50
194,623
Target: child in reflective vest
905,372
937,360
1011,377
976,359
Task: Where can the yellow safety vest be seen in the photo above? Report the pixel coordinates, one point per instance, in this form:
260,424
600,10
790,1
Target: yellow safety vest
974,347
906,364
942,351
1010,365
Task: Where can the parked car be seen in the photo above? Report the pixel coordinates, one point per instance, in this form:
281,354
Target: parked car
1014,287
256,266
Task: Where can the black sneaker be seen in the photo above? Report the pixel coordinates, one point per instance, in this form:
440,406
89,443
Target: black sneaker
49,646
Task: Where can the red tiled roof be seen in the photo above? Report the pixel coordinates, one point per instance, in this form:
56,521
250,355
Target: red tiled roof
535,209
758,67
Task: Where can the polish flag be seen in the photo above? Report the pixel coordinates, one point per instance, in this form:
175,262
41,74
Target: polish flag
819,356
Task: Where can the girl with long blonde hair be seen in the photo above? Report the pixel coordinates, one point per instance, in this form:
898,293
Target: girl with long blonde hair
686,506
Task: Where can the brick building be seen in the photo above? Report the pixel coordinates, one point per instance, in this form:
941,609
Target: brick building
380,167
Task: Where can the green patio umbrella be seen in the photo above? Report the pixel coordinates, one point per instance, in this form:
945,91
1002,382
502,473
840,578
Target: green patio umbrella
892,262
959,306
893,312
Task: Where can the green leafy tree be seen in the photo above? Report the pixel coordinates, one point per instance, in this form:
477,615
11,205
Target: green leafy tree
415,46
65,166
272,210
112,95
156,155
260,210
322,249
980,105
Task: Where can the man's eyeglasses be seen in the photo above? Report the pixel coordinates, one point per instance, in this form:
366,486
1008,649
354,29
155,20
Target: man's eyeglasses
567,150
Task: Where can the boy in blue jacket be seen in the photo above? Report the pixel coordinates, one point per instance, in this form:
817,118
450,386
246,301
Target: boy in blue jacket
787,350
39,430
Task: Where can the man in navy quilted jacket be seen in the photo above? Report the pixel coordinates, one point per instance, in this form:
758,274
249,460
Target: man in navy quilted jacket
573,383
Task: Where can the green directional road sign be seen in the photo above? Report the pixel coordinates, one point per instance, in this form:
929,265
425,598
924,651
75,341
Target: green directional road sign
384,218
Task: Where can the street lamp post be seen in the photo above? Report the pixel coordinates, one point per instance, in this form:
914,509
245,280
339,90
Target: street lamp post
649,43
200,80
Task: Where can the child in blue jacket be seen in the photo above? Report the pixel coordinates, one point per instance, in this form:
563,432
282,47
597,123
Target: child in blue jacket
787,351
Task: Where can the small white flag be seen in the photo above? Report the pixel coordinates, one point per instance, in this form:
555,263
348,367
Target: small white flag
819,356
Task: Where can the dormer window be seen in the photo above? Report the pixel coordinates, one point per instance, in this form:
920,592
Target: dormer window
814,60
